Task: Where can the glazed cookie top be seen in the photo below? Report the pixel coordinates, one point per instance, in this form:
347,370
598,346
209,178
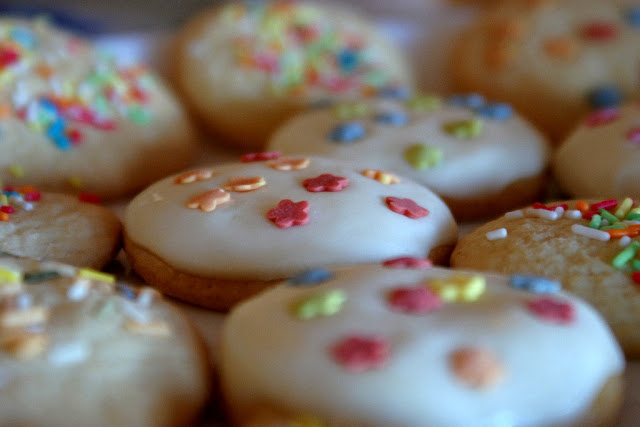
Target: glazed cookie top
72,336
270,216
71,116
452,146
404,344
611,137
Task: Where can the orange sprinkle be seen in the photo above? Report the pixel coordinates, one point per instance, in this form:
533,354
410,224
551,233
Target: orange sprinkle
631,231
4,216
386,178
192,176
582,206
209,201
476,367
244,183
562,48
26,189
44,71
5,111
289,163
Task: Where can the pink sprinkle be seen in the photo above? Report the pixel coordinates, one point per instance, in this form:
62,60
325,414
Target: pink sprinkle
268,63
551,310
8,56
550,208
259,157
634,135
288,213
7,209
33,196
600,31
89,198
417,300
602,117
325,182
359,354
408,262
406,207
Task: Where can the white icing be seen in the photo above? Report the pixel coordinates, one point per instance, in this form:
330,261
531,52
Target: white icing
506,151
237,241
270,356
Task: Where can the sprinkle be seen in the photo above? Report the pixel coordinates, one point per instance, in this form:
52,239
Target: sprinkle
79,290
193,176
424,104
582,206
632,15
624,241
244,184
631,231
553,208
68,354
87,273
76,182
535,284
40,276
146,297
319,305
541,213
394,92
16,171
563,48
633,135
605,96
590,232
10,276
423,156
464,129
495,111
209,201
415,300
514,214
602,117
129,292
406,207
325,182
155,329
476,367
551,310
599,31
351,111
393,118
572,214
347,132
459,288
358,354
289,163
383,177
288,213
596,222
408,262
472,100
626,255
90,198
624,208
608,216
500,233
311,277
635,264
259,157
635,276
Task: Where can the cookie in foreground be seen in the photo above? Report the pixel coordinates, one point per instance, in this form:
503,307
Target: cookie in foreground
398,344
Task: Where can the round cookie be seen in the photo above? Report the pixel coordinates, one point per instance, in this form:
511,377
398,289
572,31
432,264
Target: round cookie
477,155
217,235
581,244
78,349
244,67
72,119
611,137
397,344
57,227
553,60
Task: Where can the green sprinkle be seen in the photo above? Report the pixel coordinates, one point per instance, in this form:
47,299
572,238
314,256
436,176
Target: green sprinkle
608,216
423,156
596,221
635,264
626,255
424,104
614,227
40,276
139,115
324,304
633,216
465,129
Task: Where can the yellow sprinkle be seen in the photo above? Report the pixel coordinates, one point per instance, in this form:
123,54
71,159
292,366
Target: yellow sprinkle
4,200
87,273
16,171
10,276
383,177
624,208
458,288
76,182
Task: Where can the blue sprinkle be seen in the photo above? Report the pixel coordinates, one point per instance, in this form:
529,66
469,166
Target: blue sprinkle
394,118
11,193
24,37
535,284
633,16
126,290
311,277
56,133
48,106
347,132
394,92
472,100
495,111
605,96
348,60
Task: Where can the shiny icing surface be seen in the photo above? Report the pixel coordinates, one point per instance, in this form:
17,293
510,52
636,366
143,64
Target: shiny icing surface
601,158
467,167
271,357
238,241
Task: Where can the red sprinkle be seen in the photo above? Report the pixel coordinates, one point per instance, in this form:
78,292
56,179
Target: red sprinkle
32,196
635,276
259,157
551,310
406,207
602,117
605,204
75,136
550,208
408,262
416,300
7,209
288,213
600,31
633,135
359,354
8,56
325,182
90,198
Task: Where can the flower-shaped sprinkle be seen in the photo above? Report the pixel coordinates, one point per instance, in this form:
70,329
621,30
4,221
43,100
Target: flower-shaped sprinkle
259,157
476,367
535,284
288,213
633,135
289,163
602,117
347,132
406,207
423,156
458,288
209,201
361,353
408,262
414,300
551,310
464,129
193,176
325,182
311,277
383,177
244,183
319,305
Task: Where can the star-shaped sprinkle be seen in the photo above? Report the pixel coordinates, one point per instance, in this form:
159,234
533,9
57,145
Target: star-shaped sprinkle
602,117
476,367
193,176
414,300
244,183
551,310
406,207
464,129
288,213
289,163
325,182
209,201
458,288
386,178
359,354
408,262
259,157
319,305
423,156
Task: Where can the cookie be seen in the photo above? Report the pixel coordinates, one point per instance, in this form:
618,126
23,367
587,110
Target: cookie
216,235
78,349
74,120
57,227
589,246
477,155
397,344
553,60
601,157
244,67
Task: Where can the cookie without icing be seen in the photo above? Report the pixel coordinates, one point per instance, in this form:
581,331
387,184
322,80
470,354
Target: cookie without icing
402,345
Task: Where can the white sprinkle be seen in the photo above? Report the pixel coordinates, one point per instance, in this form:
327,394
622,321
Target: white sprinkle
135,312
514,214
146,296
591,233
79,290
27,206
572,214
500,233
68,354
624,241
541,213
559,210
24,301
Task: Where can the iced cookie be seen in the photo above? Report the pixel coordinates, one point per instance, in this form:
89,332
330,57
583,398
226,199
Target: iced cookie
78,349
246,66
591,247
216,235
57,227
554,60
479,156
400,345
73,120
602,155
